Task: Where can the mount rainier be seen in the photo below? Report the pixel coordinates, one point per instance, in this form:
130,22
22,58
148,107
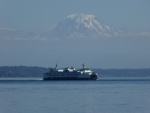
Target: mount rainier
80,26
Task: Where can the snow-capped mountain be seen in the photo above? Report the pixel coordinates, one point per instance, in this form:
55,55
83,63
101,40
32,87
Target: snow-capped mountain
80,26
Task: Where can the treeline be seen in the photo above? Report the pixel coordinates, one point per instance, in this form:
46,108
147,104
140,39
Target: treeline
33,71
123,72
22,71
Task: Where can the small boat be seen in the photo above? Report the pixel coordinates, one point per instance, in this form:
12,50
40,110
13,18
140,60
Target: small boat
70,73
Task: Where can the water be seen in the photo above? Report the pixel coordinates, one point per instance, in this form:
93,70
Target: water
102,96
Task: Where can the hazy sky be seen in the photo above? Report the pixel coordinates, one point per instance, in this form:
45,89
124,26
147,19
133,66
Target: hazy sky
40,15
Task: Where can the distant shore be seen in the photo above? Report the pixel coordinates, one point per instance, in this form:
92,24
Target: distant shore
37,72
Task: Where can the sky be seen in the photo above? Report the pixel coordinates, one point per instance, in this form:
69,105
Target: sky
40,15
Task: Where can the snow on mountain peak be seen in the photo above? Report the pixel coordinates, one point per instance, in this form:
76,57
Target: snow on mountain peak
81,17
80,25
87,20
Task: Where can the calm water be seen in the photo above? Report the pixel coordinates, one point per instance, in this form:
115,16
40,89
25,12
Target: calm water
102,96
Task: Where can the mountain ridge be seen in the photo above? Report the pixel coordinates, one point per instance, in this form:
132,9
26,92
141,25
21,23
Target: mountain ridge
80,26
74,26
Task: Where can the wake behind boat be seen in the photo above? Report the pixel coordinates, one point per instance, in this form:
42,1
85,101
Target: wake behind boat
70,74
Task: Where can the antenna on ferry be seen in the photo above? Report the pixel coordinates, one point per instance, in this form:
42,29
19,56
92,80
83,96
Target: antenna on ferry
83,65
56,66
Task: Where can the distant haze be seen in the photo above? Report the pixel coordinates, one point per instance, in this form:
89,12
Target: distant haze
37,33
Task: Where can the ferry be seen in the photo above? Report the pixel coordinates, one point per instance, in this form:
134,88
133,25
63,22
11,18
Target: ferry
70,73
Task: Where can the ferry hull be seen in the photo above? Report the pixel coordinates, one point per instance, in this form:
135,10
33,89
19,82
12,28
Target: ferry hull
67,78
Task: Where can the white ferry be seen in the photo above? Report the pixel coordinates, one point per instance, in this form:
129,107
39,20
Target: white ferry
70,74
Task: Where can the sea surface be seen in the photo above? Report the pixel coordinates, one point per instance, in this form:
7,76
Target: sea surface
107,95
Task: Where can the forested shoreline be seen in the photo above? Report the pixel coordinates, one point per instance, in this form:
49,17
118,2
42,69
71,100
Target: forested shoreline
34,71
